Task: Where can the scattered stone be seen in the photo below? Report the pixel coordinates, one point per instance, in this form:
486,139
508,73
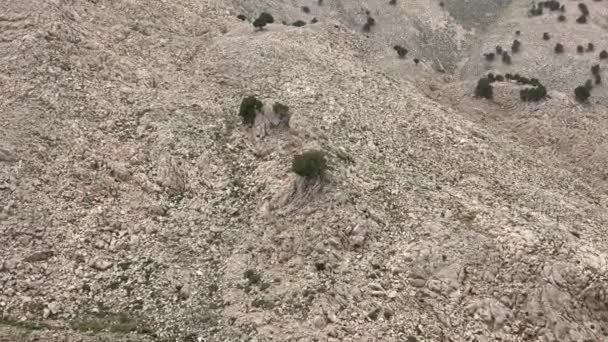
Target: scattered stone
319,322
101,264
39,256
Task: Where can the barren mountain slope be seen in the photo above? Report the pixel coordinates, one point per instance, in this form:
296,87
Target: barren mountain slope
136,205
572,135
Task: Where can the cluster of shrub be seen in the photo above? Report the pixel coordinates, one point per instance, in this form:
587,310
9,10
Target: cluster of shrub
506,57
551,5
535,92
584,13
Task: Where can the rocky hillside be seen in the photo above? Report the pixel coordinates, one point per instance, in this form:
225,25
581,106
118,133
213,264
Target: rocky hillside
136,206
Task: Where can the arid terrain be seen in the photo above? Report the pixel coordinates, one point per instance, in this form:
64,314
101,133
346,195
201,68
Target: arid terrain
136,205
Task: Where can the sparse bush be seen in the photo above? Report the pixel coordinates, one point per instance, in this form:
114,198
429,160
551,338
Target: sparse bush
582,19
580,49
598,79
498,49
416,61
280,109
264,19
559,48
241,17
590,47
392,2
500,78
595,69
371,21
314,20
581,93
250,106
310,164
506,58
305,9
484,88
552,5
320,2
441,4
518,32
298,23
515,46
367,27
489,56
561,18
562,8
583,8
546,36
589,85
401,51
603,54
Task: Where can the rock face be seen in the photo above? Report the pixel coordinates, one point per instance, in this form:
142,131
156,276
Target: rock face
136,206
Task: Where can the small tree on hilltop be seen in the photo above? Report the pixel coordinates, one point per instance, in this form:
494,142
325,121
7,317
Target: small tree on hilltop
310,164
581,93
484,88
250,107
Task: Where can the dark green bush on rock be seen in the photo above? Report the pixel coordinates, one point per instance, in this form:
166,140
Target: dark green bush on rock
581,93
536,93
262,20
401,51
310,164
250,107
484,88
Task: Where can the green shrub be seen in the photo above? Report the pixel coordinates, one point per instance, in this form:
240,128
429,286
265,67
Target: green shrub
515,46
250,106
581,93
595,69
598,79
582,19
546,36
506,58
536,93
580,49
589,85
489,56
484,88
305,9
401,51
241,17
590,47
298,23
262,20
392,2
559,48
561,17
310,164
583,8
603,54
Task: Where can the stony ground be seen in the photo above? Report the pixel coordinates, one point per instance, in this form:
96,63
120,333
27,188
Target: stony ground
135,206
